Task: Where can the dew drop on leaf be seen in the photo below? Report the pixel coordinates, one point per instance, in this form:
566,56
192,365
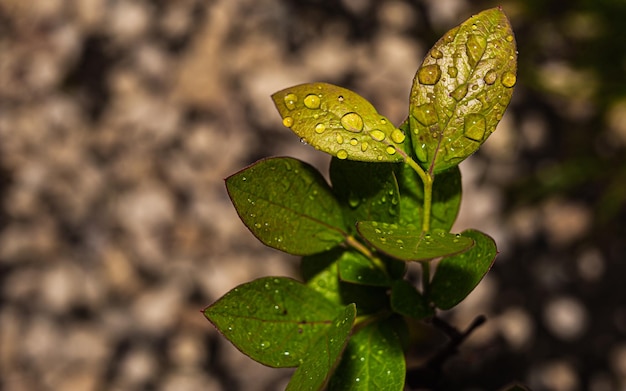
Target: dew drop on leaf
312,101
364,146
436,54
290,101
474,126
320,128
426,114
354,142
397,136
288,122
490,77
339,139
352,122
342,154
453,71
377,135
390,150
475,47
508,79
459,92
429,74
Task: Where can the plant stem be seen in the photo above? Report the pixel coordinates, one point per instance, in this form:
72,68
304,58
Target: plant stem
427,178
352,242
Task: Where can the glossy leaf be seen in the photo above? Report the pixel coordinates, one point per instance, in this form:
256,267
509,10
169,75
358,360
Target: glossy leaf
320,271
339,122
367,191
373,360
358,269
458,275
409,243
274,320
407,301
324,354
462,89
287,205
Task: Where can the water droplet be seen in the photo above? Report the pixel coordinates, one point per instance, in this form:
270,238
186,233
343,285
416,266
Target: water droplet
320,128
450,35
257,225
397,136
362,359
286,353
426,114
509,38
453,71
429,74
383,121
288,122
342,154
340,98
303,141
354,141
364,146
357,380
459,92
508,79
339,138
474,126
475,48
290,101
352,122
353,200
378,231
436,54
265,344
377,135
312,101
390,150
490,77
244,178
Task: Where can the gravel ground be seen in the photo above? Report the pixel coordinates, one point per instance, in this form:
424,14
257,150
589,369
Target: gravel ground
118,122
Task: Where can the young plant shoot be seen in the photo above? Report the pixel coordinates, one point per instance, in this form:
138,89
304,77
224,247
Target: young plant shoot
393,198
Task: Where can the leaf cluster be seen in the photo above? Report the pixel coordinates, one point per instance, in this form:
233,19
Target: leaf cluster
345,326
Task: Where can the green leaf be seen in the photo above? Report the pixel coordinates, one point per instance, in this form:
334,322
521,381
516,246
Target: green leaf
367,191
325,353
320,271
287,205
274,320
446,199
462,89
339,122
458,275
407,301
373,360
356,268
409,243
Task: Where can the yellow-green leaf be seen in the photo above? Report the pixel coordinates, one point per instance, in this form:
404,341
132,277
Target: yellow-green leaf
339,122
462,89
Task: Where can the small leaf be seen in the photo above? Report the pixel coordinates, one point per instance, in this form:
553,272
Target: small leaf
409,243
274,320
339,122
462,89
287,205
458,275
407,301
373,360
324,354
320,271
358,269
366,191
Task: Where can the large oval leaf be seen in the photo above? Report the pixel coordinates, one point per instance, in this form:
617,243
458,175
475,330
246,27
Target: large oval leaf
274,320
339,122
287,205
462,89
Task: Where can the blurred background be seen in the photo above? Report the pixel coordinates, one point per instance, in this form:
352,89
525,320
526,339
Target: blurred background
119,120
